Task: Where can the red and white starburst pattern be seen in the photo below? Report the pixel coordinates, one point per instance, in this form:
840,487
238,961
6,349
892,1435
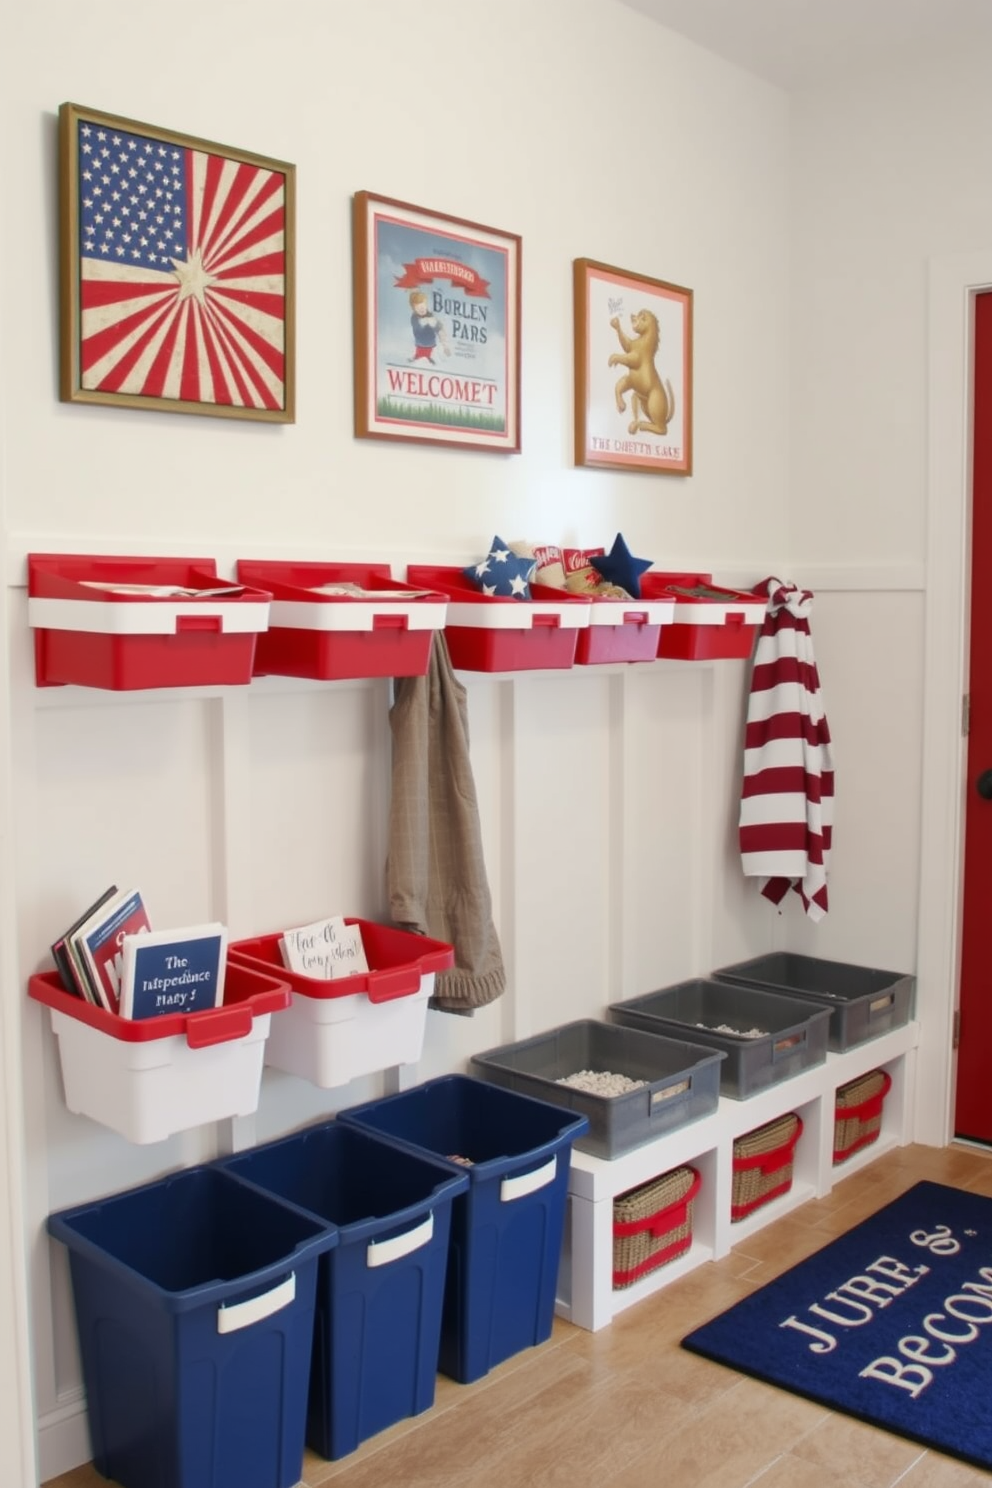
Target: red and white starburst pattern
204,319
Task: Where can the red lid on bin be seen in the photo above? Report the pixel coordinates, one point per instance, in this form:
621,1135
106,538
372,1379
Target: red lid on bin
248,994
398,960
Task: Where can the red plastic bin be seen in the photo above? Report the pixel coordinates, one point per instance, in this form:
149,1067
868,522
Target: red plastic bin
489,633
384,633
336,1030
99,622
148,1078
713,625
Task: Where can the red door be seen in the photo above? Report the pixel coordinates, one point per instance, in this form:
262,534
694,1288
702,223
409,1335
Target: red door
973,1114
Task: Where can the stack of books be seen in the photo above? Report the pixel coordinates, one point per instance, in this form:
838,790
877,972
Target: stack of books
113,958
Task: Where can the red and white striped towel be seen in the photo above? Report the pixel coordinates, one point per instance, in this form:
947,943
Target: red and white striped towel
787,798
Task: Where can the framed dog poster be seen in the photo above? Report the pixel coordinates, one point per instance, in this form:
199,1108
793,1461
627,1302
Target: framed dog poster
633,371
177,271
437,327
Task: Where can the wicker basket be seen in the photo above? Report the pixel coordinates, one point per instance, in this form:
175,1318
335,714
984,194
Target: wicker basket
652,1224
858,1113
763,1164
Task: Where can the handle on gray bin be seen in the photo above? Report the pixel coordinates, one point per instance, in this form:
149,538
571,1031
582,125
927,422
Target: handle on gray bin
528,1183
243,1314
381,1252
661,1099
787,1045
881,1004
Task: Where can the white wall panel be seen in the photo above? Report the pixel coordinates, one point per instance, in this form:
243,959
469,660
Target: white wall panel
315,796
875,716
561,763
124,789
664,873
886,176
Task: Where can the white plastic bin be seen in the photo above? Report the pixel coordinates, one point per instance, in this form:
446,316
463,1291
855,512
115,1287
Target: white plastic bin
335,1031
149,1078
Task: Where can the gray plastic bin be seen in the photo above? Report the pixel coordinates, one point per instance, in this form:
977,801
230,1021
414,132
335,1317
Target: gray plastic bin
793,1032
864,1002
682,1079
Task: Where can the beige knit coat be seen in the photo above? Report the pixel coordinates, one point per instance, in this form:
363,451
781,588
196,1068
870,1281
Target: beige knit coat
435,871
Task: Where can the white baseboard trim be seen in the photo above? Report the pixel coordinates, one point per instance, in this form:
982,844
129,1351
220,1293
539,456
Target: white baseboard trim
64,1437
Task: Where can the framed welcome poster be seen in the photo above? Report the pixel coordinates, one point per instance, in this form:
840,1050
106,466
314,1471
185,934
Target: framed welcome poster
633,371
437,327
176,271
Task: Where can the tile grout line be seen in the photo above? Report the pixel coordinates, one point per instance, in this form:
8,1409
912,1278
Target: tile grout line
767,1468
905,1473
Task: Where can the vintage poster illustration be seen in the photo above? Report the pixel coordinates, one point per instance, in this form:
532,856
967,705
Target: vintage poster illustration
633,371
437,349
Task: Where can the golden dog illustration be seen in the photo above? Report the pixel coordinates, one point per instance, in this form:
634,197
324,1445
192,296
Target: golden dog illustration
652,403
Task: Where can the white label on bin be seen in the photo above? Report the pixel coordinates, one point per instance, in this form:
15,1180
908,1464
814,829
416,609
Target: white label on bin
243,1314
527,1183
381,1252
670,1091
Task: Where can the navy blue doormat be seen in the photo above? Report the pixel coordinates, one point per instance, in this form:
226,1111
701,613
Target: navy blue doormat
891,1323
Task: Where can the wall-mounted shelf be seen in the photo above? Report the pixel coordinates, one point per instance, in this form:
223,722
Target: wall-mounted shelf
124,623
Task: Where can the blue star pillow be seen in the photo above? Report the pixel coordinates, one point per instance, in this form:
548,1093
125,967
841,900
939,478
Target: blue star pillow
501,574
619,566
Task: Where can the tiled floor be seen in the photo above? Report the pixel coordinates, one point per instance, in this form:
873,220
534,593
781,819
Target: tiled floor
626,1406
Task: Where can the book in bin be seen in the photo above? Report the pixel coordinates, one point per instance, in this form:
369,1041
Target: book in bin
89,955
72,979
173,971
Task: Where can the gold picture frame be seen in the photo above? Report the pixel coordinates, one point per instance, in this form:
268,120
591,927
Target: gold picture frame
177,271
633,370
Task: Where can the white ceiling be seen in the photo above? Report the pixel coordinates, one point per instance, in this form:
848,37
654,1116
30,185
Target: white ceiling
798,43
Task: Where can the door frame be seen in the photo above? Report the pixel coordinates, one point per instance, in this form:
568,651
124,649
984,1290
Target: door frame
954,280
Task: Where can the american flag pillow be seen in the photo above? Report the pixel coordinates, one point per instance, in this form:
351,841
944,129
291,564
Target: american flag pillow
502,574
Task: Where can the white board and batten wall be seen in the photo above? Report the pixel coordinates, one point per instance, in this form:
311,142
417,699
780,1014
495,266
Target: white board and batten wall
608,798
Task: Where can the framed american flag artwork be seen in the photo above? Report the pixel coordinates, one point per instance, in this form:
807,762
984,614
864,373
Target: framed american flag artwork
437,327
176,271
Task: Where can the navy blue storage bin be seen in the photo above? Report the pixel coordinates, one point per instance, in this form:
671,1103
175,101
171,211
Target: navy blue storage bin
194,1301
506,1229
380,1290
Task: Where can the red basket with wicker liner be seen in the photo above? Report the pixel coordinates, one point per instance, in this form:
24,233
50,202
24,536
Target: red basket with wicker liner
858,1113
652,1224
762,1164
